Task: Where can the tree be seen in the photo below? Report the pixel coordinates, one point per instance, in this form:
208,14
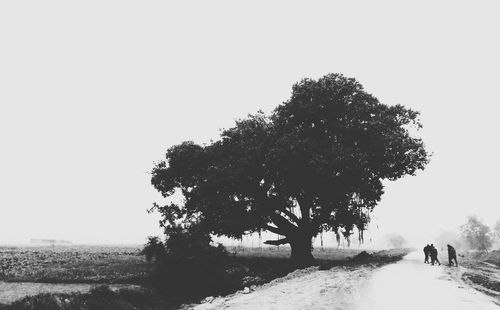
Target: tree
496,230
396,240
476,234
315,164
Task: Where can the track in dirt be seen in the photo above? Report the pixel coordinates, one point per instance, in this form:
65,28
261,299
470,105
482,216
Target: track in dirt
407,284
336,288
411,284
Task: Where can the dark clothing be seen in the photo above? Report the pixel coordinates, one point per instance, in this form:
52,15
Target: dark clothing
426,253
452,255
434,256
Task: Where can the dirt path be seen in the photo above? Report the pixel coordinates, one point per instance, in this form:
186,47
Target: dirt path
337,288
408,284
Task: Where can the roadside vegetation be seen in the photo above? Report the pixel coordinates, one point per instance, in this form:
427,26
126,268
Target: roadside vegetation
172,281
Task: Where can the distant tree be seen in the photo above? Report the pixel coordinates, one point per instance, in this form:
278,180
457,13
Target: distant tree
496,230
396,240
315,164
476,234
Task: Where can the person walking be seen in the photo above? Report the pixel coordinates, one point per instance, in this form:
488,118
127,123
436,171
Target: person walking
452,255
426,253
434,255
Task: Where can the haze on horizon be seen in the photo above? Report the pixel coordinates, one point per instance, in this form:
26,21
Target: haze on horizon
93,93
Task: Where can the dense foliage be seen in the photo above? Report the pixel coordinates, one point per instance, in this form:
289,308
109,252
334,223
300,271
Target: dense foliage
315,164
154,249
186,264
476,234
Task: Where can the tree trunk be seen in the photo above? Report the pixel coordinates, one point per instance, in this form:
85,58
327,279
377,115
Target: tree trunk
302,251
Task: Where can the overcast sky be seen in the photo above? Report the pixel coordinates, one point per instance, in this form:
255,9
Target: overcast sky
92,93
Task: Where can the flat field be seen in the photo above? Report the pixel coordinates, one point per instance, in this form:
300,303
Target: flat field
73,264
111,264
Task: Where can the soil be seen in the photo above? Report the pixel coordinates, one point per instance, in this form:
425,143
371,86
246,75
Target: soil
407,284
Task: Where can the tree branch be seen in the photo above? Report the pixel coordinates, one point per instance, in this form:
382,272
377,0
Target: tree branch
277,242
273,229
283,224
290,215
304,209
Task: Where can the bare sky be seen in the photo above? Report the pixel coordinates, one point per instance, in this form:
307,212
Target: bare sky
92,93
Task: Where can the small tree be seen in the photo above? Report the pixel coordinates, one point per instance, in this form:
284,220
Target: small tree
476,234
496,230
495,234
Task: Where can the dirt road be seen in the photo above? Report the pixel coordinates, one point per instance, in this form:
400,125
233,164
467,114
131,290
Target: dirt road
337,288
407,284
411,284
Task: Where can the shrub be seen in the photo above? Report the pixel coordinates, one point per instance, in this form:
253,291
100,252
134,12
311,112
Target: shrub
154,249
191,266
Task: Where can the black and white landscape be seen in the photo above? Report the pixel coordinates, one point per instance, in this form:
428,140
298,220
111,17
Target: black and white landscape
249,155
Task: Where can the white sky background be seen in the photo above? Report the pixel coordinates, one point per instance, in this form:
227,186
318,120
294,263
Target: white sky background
92,93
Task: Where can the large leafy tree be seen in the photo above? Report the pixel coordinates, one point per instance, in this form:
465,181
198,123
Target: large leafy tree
315,164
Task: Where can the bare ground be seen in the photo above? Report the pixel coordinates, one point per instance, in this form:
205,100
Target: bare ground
302,289
483,276
408,284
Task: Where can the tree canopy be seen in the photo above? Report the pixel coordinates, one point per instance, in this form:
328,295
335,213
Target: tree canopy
477,234
315,164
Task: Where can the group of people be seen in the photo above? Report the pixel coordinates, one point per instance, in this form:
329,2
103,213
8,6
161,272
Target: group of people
431,252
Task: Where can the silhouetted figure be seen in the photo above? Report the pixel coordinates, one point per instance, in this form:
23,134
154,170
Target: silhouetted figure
452,255
426,253
434,255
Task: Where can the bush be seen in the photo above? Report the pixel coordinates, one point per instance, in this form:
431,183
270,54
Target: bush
190,265
154,249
